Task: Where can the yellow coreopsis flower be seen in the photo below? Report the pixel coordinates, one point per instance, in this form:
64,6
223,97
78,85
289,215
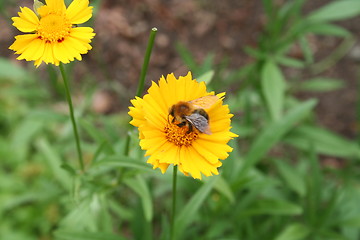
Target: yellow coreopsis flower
52,35
180,123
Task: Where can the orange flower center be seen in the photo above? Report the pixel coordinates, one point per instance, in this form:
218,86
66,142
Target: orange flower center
54,27
180,136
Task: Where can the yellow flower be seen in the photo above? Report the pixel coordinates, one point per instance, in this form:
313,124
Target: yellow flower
52,35
168,141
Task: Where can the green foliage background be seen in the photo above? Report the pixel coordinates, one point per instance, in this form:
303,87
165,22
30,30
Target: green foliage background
273,185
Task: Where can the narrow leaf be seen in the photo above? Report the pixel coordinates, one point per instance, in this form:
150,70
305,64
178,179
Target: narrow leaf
273,132
123,161
273,89
336,10
188,213
186,56
206,77
306,49
223,187
291,176
53,160
323,141
140,187
23,136
321,84
290,62
294,231
78,235
327,29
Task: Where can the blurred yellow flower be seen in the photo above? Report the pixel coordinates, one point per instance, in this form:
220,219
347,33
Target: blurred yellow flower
52,35
195,140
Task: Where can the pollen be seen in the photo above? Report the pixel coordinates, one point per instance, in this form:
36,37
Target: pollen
54,27
180,136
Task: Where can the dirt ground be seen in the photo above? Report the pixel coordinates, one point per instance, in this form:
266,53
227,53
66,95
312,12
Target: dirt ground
220,27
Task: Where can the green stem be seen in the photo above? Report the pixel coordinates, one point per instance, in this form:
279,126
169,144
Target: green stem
144,69
71,109
146,61
173,211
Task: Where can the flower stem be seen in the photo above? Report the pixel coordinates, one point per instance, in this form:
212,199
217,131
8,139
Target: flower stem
173,211
145,65
144,69
71,109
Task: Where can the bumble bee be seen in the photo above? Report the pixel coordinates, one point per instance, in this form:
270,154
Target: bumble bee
192,113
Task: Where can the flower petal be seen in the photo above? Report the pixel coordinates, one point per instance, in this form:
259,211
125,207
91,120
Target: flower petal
55,5
79,11
27,20
84,34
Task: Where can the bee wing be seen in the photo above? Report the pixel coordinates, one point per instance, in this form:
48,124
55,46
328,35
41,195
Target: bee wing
199,122
204,102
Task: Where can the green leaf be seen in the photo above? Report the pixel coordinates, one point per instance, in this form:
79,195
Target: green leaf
103,147
140,187
78,235
323,141
23,136
273,207
294,231
336,10
68,168
290,62
314,187
188,212
186,56
206,77
273,89
255,53
292,177
306,49
327,29
273,132
123,161
223,187
96,135
52,158
321,84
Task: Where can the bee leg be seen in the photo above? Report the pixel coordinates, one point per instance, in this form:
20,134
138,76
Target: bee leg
181,124
190,129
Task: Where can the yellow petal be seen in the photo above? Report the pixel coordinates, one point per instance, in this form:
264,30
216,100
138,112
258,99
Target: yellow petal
27,20
158,98
205,153
22,42
219,149
84,34
79,11
48,56
155,162
34,50
61,53
55,5
79,45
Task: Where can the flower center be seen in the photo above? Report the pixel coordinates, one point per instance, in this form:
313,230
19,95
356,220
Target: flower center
54,27
180,136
